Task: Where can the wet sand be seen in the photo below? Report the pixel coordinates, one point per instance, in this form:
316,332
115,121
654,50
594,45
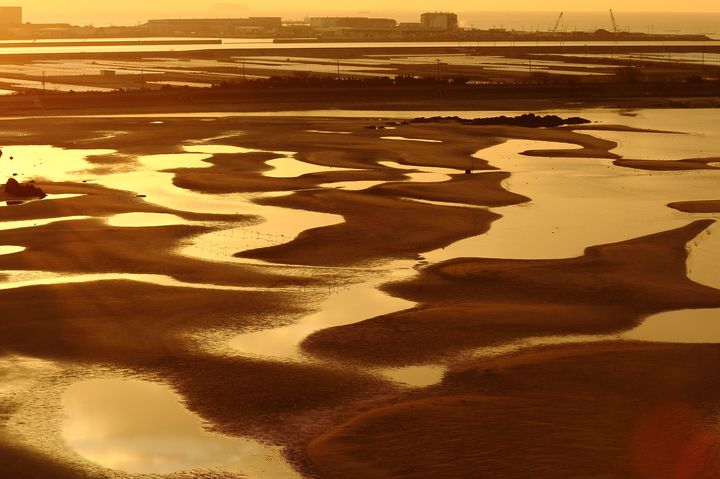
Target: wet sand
605,410
709,206
670,165
142,308
608,289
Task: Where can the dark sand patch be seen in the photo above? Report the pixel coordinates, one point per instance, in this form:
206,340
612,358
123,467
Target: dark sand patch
480,302
670,165
233,175
100,202
705,206
156,331
479,189
605,410
18,462
375,228
91,246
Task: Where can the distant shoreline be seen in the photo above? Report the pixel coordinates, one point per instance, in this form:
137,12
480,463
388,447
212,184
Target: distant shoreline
118,42
530,98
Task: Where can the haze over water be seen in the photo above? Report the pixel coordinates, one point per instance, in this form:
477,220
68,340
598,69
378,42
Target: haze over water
648,22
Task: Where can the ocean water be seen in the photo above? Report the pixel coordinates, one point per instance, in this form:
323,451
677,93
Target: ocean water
647,22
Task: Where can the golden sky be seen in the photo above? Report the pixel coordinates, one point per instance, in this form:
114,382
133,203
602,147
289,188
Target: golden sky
133,11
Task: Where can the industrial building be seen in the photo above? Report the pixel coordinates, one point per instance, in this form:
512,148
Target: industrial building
439,21
10,16
211,26
351,22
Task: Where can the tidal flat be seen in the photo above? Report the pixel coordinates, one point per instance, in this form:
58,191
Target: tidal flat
350,295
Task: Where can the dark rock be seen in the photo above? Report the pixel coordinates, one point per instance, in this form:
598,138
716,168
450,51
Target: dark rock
27,190
528,120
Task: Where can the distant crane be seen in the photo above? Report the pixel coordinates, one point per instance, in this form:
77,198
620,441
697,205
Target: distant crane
557,22
614,24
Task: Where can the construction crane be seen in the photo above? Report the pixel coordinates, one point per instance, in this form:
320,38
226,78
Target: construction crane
557,23
614,24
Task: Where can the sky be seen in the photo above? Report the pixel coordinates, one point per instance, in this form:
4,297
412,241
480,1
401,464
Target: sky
127,12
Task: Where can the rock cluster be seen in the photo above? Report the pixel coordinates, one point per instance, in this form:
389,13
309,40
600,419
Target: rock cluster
23,190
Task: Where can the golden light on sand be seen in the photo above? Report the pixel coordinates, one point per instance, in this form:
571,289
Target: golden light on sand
282,241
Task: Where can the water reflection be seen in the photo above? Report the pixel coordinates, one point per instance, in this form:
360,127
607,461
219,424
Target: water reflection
402,138
142,427
151,179
415,376
218,149
48,162
19,224
139,220
10,249
352,185
659,146
576,203
277,226
287,167
346,306
686,326
24,279
422,174
328,132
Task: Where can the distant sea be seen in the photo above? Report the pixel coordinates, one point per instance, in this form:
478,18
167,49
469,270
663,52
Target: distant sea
656,22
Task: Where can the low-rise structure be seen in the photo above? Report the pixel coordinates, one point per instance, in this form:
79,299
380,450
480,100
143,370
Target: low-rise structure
439,21
211,26
351,22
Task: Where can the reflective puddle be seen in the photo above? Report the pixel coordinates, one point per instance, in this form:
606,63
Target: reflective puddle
352,185
659,146
24,279
291,168
576,203
140,220
686,326
218,149
700,326
15,225
277,226
10,249
142,427
402,138
349,305
150,178
414,376
46,162
422,174
327,132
